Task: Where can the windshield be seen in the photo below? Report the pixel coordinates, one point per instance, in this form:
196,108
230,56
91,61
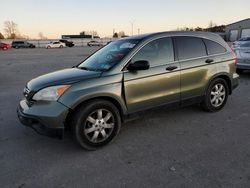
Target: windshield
109,56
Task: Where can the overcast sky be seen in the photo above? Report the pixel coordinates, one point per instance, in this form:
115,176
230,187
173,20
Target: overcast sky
56,17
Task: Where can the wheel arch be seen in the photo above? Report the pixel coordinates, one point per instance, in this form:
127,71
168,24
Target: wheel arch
114,101
224,76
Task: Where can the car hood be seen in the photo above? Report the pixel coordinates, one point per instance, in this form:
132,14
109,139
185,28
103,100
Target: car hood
65,76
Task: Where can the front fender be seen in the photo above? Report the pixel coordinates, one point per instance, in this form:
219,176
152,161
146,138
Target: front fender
109,87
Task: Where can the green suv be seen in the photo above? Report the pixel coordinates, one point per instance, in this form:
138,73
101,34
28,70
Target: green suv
128,76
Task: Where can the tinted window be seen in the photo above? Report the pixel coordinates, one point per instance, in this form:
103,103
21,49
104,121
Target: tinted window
214,47
157,52
190,47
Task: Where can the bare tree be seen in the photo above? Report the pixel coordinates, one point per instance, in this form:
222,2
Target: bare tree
1,36
93,33
41,36
10,29
115,35
211,24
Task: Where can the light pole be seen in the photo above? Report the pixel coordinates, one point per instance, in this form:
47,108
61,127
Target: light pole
132,27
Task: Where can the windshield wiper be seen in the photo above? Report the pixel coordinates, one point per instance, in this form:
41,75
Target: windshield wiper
91,69
83,68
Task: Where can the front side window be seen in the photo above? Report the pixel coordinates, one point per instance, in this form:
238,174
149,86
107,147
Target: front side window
214,47
190,47
157,52
109,56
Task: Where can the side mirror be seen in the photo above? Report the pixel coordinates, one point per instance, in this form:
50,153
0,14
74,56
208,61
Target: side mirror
138,65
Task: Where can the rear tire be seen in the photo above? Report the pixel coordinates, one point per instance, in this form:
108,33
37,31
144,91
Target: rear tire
61,46
216,95
96,124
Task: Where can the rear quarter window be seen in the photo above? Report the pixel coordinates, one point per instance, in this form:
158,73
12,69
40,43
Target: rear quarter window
214,47
190,47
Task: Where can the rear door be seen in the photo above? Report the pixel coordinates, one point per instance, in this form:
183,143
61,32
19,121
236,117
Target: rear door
194,64
157,86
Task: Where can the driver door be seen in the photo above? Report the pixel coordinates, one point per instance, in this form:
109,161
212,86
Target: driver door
158,85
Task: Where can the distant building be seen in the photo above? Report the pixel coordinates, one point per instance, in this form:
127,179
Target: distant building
81,36
237,30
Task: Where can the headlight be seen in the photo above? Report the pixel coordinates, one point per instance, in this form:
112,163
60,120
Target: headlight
50,93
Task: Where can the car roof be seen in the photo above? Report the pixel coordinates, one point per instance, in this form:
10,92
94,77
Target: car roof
206,35
174,33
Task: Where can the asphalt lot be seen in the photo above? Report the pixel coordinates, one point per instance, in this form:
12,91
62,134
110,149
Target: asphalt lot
165,148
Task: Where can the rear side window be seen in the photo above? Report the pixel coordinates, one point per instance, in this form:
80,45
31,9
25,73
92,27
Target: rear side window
214,47
190,47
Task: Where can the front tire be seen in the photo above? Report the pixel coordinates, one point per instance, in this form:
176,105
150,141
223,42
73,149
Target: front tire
216,95
96,124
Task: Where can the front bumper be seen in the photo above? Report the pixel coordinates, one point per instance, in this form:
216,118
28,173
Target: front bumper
46,118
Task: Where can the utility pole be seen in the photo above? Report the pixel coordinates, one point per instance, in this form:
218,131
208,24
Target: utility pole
132,27
139,31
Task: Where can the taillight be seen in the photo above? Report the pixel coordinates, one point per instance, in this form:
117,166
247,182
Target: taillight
235,61
235,57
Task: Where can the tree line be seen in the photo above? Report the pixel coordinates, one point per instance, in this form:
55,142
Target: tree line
212,27
12,32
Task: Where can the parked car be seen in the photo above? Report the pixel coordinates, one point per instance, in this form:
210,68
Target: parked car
240,41
128,76
67,43
55,45
243,57
4,46
22,44
94,43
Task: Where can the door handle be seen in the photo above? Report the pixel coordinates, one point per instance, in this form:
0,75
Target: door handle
171,68
209,61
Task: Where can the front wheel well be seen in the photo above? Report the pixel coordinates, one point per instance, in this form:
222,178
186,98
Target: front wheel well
110,99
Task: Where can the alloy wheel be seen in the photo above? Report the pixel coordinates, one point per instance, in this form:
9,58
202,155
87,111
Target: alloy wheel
99,125
218,95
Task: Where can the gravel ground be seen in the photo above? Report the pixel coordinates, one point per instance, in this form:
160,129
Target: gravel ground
166,148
